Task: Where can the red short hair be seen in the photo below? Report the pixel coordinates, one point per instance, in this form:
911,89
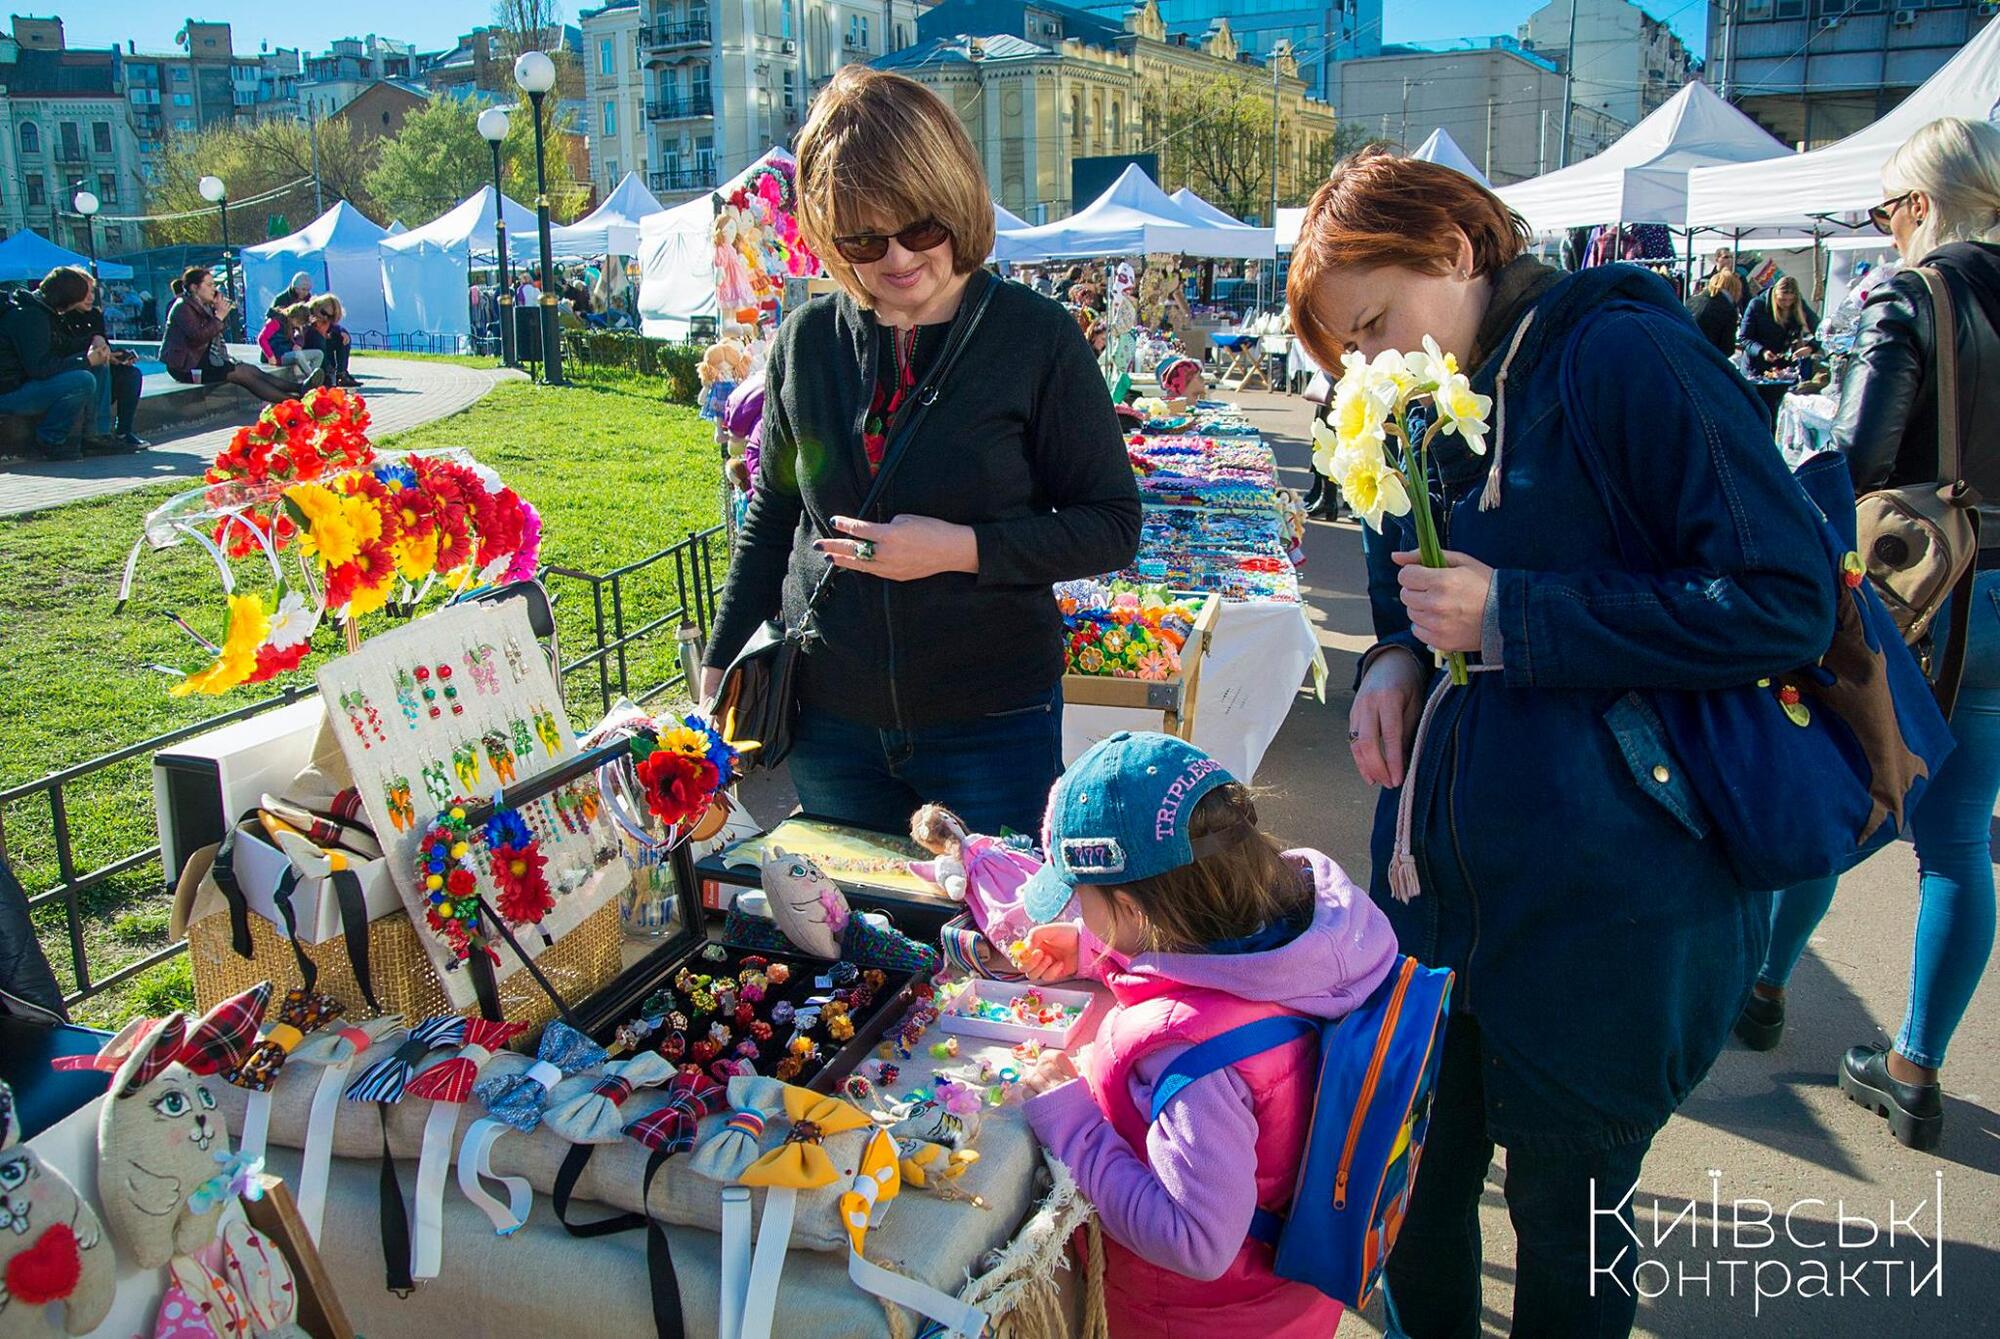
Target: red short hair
1382,208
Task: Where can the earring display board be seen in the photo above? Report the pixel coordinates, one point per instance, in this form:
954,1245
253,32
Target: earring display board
457,706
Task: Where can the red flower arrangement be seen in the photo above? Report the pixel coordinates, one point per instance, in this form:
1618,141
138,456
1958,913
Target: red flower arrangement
678,788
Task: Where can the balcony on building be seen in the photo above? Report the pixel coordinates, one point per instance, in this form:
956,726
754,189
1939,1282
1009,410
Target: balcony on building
680,180
663,39
685,106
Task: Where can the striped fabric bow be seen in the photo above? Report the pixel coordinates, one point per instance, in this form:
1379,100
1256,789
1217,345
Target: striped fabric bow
302,1012
517,1099
800,1162
754,1101
219,1041
671,1127
387,1079
584,1110
451,1081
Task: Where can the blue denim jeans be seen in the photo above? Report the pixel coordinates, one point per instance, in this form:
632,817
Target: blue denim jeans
57,400
118,390
1953,831
994,771
1435,1274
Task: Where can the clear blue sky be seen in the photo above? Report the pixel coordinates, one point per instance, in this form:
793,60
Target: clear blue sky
434,26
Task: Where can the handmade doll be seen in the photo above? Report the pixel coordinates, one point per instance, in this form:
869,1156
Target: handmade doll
985,873
51,1246
159,1138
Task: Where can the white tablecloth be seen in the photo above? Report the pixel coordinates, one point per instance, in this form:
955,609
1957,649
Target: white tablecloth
1256,661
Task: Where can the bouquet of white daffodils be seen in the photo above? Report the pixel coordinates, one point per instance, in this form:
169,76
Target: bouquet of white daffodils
1377,449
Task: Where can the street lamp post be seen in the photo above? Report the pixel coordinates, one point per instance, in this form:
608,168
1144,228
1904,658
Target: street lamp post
493,126
216,193
536,74
87,205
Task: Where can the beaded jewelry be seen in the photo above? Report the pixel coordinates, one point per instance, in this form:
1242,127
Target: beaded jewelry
485,674
406,697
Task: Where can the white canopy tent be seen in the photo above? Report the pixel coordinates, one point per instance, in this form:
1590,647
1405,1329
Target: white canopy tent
1443,150
1133,217
1203,211
1006,220
397,227
1844,180
426,272
1289,223
28,256
340,251
677,259
611,229
1643,177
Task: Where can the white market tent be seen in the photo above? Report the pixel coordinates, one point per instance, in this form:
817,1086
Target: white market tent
1443,150
340,251
1643,177
1203,210
1006,220
1133,217
1844,180
397,227
611,229
426,272
28,255
677,259
1290,221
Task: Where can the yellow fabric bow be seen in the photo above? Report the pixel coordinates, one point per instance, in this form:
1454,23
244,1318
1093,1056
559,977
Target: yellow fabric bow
800,1163
878,1182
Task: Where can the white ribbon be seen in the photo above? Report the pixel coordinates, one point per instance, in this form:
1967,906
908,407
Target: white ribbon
256,1124
956,1316
774,1239
735,1261
427,1243
316,1159
474,1161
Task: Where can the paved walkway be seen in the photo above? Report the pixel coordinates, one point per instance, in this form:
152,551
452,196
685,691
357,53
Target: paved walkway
401,393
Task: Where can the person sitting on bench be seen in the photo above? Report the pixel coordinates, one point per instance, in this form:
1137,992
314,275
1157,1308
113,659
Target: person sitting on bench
194,350
39,379
119,380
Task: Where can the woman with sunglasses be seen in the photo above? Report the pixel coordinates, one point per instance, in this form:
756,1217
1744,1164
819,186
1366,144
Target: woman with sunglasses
1944,212
935,671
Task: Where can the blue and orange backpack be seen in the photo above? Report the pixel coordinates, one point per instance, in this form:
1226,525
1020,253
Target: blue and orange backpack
1371,1110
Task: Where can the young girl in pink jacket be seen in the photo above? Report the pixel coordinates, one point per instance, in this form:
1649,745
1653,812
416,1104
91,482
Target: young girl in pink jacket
1197,922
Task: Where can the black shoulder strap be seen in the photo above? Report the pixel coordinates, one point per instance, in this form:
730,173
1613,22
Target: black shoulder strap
906,428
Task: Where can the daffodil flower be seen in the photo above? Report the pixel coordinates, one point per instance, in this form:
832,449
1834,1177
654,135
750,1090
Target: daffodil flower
1463,410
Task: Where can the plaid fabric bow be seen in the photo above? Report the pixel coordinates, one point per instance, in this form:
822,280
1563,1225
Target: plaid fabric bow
584,1110
516,1099
219,1041
670,1128
800,1163
303,1011
386,1080
451,1081
755,1101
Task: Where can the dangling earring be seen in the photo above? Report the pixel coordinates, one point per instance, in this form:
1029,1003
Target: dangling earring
1463,276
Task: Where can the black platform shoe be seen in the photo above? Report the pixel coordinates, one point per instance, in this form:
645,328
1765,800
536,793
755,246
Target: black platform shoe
1915,1111
1761,1025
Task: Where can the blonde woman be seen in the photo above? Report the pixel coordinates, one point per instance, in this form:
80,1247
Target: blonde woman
935,671
1714,309
1942,206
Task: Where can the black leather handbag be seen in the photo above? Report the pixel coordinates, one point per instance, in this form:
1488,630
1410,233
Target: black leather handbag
759,696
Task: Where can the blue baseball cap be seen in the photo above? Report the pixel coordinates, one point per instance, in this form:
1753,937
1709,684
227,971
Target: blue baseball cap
1120,814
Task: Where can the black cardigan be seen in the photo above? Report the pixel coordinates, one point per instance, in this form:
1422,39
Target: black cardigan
1022,445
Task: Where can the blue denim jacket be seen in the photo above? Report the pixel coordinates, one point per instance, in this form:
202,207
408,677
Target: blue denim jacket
1566,872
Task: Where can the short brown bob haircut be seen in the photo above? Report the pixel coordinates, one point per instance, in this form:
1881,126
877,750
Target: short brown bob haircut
881,152
1382,208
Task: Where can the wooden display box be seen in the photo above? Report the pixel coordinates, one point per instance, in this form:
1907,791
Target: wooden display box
1173,697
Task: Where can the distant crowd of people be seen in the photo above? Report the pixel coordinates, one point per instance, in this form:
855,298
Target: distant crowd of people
305,333
1769,334
594,295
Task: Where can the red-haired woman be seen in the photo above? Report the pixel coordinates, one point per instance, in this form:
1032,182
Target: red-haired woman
1630,527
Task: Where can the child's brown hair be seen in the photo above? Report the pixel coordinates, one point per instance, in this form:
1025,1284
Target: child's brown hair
1233,892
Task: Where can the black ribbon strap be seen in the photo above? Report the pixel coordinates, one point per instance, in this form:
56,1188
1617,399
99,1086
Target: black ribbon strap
566,1178
282,897
548,988
395,1220
665,1281
354,927
223,871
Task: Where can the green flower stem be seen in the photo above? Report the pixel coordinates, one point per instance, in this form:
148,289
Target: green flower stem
1416,478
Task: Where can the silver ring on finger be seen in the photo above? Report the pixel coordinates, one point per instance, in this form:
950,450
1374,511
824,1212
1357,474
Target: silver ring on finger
864,550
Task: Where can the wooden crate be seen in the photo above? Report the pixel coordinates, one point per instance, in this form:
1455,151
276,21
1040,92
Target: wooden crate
1173,697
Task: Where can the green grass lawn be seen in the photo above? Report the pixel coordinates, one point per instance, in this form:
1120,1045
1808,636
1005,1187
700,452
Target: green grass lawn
484,362
616,473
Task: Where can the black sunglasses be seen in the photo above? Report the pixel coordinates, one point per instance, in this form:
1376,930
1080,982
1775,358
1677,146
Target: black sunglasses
862,248
1881,214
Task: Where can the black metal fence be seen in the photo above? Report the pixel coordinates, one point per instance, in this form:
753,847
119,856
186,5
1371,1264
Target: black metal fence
630,607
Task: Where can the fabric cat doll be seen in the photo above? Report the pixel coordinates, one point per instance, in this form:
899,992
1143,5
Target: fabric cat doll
52,1248
159,1137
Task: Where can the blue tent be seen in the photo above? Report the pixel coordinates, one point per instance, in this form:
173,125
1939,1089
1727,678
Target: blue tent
29,255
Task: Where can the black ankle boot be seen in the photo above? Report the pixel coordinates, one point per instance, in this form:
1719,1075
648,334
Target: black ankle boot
1761,1025
1915,1111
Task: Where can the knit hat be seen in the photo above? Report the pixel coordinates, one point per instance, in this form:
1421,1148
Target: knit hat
1176,370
